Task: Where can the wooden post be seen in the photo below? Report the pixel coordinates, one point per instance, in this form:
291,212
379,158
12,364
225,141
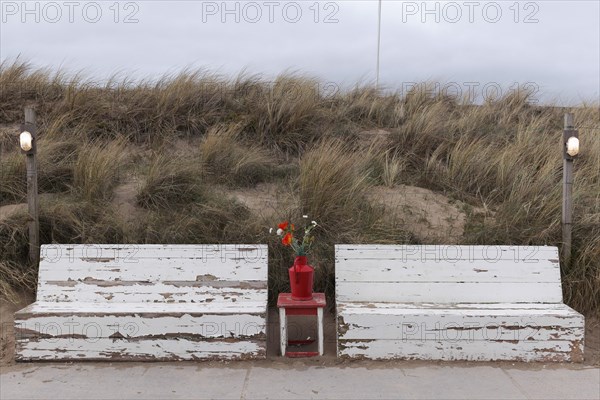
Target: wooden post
32,189
378,45
567,205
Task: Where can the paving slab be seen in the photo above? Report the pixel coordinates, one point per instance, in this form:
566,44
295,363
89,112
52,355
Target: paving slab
298,380
560,384
325,383
448,382
150,381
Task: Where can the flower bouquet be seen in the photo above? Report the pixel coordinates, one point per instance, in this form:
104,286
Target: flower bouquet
301,274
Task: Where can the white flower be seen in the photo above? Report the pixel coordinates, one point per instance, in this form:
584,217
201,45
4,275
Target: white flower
279,232
305,216
271,230
314,223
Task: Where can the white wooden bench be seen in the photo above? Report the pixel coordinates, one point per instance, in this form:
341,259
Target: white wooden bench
146,302
454,303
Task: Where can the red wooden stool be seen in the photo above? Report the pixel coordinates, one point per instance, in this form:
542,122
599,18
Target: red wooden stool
287,306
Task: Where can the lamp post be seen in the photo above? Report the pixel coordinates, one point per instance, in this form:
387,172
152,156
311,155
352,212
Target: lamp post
570,145
27,141
378,45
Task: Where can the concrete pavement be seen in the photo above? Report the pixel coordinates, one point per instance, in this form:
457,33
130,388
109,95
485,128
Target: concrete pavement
287,379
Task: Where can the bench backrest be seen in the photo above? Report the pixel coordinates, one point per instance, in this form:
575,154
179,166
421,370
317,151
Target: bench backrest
153,273
447,274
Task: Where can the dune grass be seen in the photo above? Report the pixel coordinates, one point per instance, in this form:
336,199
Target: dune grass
502,156
170,182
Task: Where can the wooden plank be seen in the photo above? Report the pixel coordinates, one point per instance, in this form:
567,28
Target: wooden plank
135,253
61,308
154,264
462,309
458,325
371,270
320,329
283,339
545,351
148,293
142,325
426,253
449,292
171,349
155,270
394,308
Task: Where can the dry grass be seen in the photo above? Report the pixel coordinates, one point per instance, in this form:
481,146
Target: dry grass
502,156
98,168
13,175
231,161
333,185
170,182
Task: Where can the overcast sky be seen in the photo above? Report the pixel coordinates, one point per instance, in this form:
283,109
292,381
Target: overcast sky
550,47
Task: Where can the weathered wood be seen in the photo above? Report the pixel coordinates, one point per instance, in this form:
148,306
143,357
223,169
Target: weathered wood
567,202
153,262
567,209
460,324
288,306
484,350
283,338
147,297
454,302
160,349
383,270
60,308
320,330
148,293
448,292
143,325
430,273
32,191
429,253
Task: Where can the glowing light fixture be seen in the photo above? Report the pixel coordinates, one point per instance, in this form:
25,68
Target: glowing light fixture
573,146
26,140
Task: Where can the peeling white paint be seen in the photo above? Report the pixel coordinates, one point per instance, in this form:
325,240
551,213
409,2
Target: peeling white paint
150,349
147,302
454,303
556,351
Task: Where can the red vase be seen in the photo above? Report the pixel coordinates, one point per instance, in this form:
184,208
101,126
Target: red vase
301,279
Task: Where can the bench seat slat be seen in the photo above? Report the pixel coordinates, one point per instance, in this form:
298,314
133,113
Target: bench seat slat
464,350
490,309
432,253
168,263
134,252
461,324
141,308
225,323
139,350
361,270
139,292
450,292
375,307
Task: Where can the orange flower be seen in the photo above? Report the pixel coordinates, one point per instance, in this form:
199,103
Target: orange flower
283,225
287,239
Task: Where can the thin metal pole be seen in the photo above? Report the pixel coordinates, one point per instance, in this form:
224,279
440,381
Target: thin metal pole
567,205
378,45
32,191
